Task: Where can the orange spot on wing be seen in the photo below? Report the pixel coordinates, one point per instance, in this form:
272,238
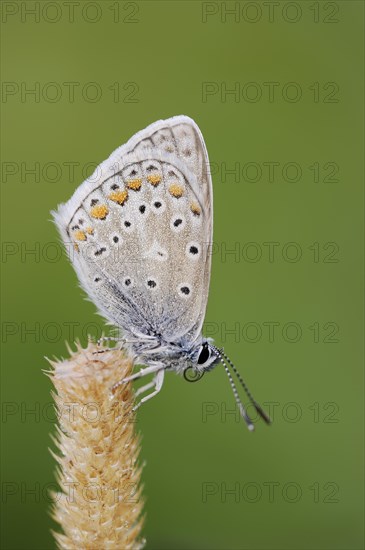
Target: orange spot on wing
89,230
195,208
134,184
99,212
80,236
119,196
176,190
154,179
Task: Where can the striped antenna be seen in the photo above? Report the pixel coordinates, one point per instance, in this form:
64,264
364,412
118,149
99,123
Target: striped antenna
242,409
258,408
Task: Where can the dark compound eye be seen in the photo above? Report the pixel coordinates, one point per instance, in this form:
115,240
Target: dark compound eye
204,355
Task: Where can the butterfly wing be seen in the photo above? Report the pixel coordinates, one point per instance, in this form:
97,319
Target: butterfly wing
139,232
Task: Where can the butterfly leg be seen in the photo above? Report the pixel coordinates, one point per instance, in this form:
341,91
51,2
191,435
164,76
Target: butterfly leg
144,388
157,382
139,374
105,339
121,341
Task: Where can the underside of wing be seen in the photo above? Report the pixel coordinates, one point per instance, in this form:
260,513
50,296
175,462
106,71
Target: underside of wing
140,230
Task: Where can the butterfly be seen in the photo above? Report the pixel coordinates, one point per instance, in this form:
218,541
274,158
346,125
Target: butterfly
139,235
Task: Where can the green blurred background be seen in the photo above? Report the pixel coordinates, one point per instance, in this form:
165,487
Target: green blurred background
291,319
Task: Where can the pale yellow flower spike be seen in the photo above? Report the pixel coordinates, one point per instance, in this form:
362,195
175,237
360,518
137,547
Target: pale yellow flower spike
100,504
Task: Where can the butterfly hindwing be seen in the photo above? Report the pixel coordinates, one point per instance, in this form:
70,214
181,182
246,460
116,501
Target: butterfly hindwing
141,232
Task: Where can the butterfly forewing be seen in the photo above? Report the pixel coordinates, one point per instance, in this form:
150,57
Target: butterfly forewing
142,234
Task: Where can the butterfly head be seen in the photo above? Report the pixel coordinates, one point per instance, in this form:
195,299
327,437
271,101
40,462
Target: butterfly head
205,357
202,359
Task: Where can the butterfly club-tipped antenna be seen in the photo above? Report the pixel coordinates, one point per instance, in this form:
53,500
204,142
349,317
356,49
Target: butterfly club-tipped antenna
223,358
